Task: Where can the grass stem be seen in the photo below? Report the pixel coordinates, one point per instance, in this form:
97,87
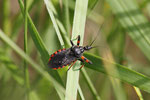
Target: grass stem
26,72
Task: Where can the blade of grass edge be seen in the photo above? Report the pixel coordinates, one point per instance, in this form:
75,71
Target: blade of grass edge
26,73
78,29
126,6
93,90
40,45
47,2
67,19
6,25
133,23
106,53
138,92
31,62
124,74
41,48
80,93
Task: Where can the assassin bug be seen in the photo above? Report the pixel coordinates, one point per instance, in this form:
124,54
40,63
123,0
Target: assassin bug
64,57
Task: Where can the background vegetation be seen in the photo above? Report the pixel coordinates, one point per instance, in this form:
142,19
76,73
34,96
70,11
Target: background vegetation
31,30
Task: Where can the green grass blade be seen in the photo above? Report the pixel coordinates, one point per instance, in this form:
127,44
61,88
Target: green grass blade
44,73
116,84
26,73
6,20
90,84
124,74
40,45
34,96
17,22
64,33
48,6
41,48
131,18
81,94
138,92
67,19
91,14
78,29
13,69
134,22
57,24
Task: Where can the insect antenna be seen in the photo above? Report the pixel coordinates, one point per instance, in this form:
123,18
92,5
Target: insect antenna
100,47
97,46
97,34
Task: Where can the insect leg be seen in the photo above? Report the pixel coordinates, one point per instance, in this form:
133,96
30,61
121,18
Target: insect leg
78,42
72,64
71,43
81,60
85,59
82,64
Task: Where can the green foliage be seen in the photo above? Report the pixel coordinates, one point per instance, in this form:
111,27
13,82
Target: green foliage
78,29
123,73
120,68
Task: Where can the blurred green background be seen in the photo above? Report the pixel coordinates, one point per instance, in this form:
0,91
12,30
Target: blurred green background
123,39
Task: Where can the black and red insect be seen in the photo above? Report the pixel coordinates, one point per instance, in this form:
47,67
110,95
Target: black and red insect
64,57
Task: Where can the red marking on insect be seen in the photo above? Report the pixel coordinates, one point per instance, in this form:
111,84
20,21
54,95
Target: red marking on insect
56,52
54,68
87,61
49,58
59,50
82,57
52,55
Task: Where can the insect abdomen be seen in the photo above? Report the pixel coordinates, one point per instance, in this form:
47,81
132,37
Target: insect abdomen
60,59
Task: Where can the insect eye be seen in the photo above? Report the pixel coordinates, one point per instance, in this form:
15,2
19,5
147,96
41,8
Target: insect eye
78,52
82,50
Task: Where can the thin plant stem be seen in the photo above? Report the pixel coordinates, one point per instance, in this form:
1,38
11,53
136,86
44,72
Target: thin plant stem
90,84
67,17
6,21
26,73
138,92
